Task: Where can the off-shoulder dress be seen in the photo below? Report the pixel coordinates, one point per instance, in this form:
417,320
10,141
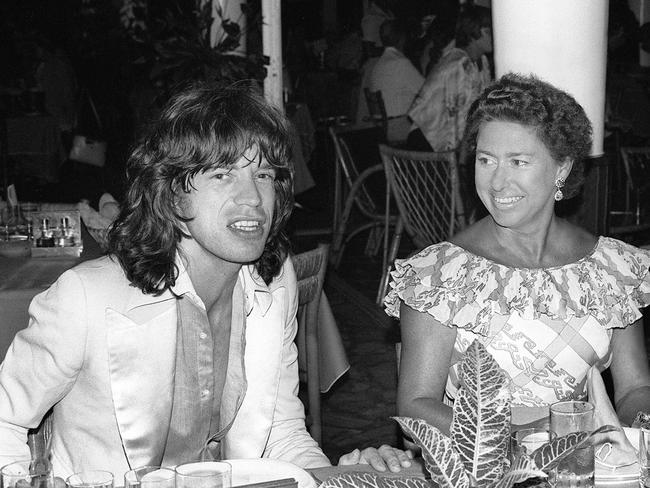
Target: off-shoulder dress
544,326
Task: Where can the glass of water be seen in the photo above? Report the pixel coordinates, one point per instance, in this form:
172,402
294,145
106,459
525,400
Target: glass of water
90,479
644,456
209,474
577,470
150,477
24,473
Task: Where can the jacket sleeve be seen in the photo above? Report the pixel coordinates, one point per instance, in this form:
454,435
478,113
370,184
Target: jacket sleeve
289,439
41,364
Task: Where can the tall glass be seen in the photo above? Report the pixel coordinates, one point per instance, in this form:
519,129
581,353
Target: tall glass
90,479
644,456
18,474
577,470
150,477
209,474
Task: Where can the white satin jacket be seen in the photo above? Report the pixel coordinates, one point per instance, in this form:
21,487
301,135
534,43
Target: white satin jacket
102,353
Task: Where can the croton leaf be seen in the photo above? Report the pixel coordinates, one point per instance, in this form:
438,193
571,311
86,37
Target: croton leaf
440,457
371,480
522,469
480,426
552,453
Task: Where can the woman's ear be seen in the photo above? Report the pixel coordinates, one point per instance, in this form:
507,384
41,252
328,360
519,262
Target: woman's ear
564,169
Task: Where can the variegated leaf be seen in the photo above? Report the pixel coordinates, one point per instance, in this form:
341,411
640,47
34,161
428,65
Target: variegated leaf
371,480
441,459
481,423
481,375
551,454
522,468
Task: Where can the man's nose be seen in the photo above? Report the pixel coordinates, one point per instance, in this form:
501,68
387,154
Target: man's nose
248,193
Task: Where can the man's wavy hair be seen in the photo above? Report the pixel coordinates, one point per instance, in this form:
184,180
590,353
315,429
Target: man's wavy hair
559,121
201,128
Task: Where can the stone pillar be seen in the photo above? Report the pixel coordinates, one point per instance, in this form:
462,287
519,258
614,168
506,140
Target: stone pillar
272,41
562,42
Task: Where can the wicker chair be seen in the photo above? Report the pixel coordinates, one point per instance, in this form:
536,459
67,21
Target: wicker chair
426,188
310,269
359,198
634,217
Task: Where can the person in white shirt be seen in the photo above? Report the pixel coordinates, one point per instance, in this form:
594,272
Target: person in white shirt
397,79
178,345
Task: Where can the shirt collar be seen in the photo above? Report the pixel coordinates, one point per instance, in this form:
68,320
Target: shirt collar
256,291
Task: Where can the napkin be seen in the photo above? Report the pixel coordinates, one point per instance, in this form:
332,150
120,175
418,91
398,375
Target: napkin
616,449
108,210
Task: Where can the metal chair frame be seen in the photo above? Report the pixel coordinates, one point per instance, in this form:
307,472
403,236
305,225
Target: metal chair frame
310,267
357,196
426,188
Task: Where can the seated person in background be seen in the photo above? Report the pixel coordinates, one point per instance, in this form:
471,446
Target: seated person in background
397,79
452,83
178,345
377,13
546,298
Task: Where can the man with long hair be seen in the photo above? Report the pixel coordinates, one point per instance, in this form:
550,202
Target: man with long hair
178,345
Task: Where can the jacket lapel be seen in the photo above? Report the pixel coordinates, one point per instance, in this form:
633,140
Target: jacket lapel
142,352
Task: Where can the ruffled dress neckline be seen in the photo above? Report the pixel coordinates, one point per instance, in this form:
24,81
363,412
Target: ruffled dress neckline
462,289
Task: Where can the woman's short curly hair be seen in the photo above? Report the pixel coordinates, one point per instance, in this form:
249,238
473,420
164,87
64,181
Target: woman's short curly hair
201,128
558,119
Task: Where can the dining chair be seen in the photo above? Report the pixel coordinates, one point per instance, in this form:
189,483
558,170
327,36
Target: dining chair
369,216
426,189
310,269
633,218
377,109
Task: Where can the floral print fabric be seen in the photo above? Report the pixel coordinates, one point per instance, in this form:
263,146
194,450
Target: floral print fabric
545,326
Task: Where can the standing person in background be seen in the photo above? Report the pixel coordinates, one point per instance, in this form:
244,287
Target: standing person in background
455,80
177,346
397,79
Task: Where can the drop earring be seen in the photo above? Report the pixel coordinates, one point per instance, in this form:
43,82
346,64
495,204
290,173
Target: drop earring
559,183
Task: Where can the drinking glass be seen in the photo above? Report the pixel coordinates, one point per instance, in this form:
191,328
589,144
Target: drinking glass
644,456
577,470
210,474
17,474
528,440
150,477
90,479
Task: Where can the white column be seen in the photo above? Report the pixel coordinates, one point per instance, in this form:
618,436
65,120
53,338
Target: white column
231,10
272,41
563,42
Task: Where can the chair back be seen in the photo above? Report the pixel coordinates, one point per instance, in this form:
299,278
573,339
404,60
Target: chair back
377,109
310,267
635,215
350,174
425,186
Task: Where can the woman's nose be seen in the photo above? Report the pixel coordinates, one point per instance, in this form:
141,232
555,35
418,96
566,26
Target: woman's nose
499,178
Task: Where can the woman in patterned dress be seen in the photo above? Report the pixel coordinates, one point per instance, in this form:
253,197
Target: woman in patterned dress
548,299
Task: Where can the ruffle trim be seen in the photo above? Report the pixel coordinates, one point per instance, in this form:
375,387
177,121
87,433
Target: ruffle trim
465,290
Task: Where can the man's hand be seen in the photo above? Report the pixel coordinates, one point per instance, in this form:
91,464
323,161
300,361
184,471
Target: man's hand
380,459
